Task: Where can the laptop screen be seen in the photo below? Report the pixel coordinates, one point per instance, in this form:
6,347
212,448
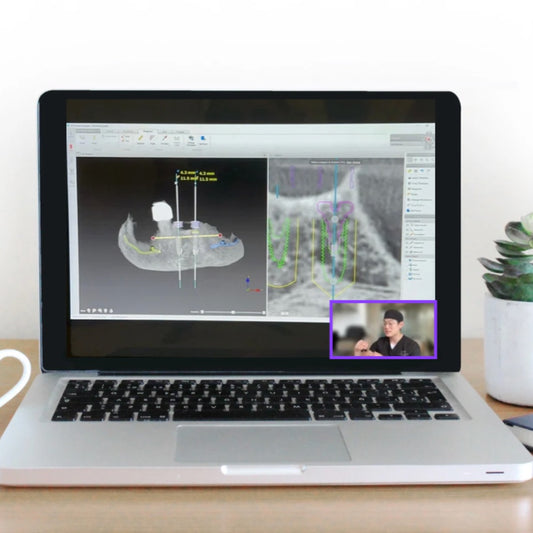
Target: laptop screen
262,228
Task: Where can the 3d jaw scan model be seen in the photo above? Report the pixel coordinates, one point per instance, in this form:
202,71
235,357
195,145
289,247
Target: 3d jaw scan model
333,232
178,245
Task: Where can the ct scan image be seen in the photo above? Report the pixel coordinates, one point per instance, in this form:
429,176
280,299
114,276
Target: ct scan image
333,232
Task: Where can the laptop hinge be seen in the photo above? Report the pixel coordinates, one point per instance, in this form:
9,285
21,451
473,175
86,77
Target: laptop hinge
235,373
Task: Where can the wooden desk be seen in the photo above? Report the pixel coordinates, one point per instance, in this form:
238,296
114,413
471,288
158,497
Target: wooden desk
479,508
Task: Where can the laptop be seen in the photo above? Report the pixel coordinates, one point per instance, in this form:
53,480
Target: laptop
206,258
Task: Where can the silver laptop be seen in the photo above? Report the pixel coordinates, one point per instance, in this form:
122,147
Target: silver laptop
246,288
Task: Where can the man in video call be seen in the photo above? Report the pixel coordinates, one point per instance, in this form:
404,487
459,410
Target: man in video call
394,343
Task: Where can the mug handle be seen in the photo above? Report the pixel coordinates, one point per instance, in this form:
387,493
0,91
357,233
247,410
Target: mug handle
26,372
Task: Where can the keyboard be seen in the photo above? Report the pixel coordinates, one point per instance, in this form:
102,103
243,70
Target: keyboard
86,400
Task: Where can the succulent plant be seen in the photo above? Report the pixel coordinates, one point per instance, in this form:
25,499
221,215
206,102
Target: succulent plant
511,276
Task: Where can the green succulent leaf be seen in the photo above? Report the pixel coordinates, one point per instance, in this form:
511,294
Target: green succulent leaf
510,249
496,286
526,278
511,288
522,290
527,223
507,253
515,260
511,246
517,270
493,266
518,234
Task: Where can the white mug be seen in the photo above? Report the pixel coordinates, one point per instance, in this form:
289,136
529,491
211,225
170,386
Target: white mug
26,371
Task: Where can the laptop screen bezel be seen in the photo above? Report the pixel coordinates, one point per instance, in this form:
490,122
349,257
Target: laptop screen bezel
307,344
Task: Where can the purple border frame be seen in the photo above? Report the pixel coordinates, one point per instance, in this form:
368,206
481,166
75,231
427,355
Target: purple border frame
385,357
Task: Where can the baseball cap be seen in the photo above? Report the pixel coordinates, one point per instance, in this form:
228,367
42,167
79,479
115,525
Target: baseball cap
393,314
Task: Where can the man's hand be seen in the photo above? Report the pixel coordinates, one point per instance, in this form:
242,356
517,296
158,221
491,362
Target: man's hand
363,348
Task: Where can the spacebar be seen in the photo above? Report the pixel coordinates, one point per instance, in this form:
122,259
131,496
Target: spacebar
293,414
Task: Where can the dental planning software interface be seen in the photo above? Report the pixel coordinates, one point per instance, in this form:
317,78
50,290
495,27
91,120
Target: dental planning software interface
248,222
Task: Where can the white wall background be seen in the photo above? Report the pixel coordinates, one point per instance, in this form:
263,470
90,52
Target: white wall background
480,49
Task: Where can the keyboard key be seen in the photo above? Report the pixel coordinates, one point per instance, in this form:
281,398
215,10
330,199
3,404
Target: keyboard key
409,406
378,406
323,406
153,417
390,417
417,415
329,414
422,381
261,415
358,414
121,417
440,407
93,416
65,416
446,416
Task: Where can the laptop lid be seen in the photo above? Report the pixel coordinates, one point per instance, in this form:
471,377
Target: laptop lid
226,231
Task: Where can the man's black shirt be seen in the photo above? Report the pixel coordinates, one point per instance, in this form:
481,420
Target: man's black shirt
406,347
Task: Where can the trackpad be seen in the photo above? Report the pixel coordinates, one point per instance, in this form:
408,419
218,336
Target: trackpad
256,444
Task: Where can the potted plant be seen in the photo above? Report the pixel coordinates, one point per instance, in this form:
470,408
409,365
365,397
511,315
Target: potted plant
509,316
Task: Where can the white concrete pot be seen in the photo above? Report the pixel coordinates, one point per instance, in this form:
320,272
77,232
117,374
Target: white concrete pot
509,350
